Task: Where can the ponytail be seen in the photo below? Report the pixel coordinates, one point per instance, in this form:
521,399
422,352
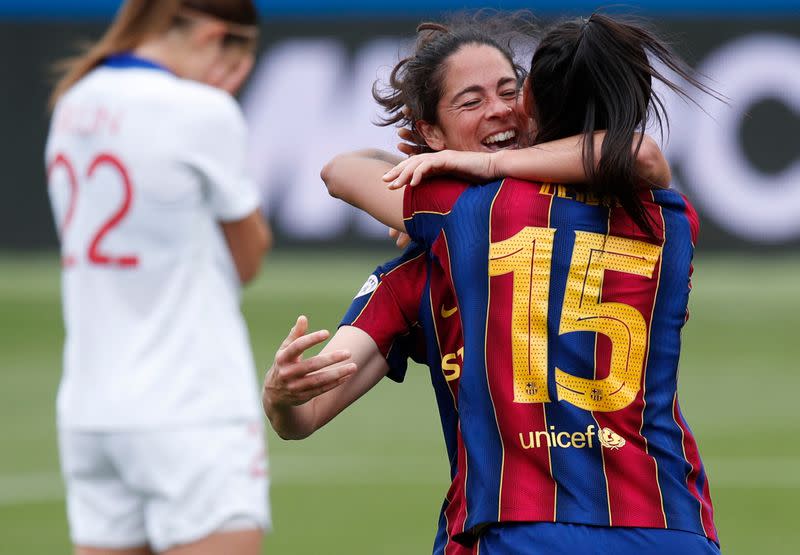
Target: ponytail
597,74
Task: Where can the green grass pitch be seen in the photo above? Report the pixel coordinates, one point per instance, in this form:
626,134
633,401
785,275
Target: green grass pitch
373,480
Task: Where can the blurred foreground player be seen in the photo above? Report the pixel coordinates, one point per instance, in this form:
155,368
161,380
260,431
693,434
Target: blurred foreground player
159,423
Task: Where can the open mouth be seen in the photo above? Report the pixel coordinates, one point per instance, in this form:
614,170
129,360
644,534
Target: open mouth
501,140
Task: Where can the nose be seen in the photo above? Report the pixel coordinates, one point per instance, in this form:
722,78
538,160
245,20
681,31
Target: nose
498,107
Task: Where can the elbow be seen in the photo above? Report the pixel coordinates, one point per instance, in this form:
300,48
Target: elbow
328,176
651,164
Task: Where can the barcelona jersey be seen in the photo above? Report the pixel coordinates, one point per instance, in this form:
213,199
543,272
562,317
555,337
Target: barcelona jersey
571,318
552,328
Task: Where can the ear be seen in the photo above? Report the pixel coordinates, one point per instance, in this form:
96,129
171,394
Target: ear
432,134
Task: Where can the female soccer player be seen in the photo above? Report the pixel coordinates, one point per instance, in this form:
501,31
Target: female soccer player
158,418
469,497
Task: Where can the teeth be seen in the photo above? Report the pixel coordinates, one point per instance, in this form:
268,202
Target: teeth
499,137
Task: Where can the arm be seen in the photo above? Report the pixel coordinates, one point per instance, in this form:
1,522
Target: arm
248,240
301,396
559,161
357,179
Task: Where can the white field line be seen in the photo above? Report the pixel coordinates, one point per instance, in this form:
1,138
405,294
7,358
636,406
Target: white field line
377,470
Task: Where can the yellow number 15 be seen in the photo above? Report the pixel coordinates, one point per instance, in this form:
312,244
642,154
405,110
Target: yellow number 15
528,256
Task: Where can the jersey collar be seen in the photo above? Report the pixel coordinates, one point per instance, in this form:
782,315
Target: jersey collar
127,60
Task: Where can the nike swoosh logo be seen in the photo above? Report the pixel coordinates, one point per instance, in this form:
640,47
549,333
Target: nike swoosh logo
447,313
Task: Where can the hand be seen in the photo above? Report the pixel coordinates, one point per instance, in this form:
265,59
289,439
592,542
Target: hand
402,240
292,381
409,146
231,76
473,166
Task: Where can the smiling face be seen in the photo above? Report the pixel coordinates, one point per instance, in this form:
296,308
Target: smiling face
479,109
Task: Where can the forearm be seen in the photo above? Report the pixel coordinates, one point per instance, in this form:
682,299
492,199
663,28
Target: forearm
562,161
290,422
558,161
357,179
299,402
248,241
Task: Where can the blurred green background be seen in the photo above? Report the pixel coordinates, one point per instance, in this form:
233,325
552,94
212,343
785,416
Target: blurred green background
373,480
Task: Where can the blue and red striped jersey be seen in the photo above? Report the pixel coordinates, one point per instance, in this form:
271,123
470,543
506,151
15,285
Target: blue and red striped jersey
565,385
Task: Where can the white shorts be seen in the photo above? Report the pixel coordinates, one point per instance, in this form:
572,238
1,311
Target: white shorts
164,488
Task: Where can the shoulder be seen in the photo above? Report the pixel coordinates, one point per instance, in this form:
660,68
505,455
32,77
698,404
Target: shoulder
680,207
208,107
435,196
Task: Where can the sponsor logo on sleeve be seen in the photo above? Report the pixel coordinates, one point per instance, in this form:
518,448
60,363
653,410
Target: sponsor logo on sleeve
369,286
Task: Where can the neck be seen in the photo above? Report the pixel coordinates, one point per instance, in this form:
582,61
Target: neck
163,51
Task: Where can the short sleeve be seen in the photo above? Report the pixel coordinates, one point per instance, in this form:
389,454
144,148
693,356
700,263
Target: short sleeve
426,206
216,141
387,308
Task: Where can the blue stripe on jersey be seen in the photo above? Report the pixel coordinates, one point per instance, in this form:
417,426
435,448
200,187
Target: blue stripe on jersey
126,60
425,227
663,434
468,238
578,472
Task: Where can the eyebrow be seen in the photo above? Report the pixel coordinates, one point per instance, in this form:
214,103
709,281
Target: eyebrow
478,88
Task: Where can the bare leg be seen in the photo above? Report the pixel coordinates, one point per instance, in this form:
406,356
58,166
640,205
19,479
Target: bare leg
242,542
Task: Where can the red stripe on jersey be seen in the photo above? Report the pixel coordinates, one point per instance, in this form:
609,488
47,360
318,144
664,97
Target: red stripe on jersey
694,220
446,316
392,310
634,494
438,199
456,512
692,456
533,493
694,229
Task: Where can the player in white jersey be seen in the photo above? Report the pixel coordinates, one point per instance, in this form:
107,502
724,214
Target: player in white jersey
158,412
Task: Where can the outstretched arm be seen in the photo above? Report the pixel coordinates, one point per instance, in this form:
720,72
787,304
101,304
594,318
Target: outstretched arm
357,179
559,161
300,396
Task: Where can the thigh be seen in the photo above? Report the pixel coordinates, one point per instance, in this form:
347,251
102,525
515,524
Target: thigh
105,515
547,538
203,481
243,542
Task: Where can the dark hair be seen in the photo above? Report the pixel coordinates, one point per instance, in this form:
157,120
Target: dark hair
241,12
595,74
416,83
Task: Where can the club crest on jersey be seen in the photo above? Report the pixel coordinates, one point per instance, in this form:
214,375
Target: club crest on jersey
369,286
611,439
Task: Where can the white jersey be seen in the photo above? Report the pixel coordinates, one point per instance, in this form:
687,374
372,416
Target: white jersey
142,167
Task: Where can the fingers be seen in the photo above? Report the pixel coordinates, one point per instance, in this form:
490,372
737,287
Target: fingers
321,382
409,172
405,134
392,174
297,330
403,240
418,173
407,149
297,347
